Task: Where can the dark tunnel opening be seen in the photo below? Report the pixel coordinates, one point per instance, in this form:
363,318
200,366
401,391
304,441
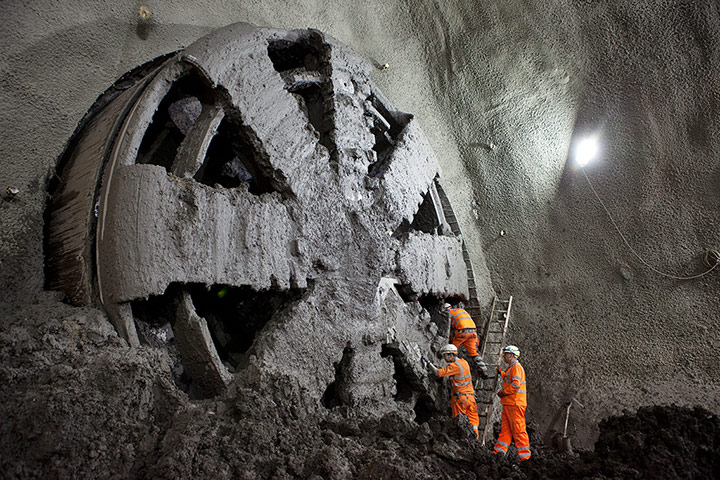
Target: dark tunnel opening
154,319
235,315
406,292
456,299
175,116
426,219
232,159
433,304
386,128
314,98
424,409
309,53
332,397
403,385
304,66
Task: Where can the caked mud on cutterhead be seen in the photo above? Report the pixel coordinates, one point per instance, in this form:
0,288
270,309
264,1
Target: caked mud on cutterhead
254,205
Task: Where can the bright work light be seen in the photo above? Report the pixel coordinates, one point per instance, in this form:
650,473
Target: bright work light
586,150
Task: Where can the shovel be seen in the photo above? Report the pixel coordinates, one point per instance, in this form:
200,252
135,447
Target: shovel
564,445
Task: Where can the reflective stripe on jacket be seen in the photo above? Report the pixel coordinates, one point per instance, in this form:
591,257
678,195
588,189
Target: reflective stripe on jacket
459,373
514,385
460,319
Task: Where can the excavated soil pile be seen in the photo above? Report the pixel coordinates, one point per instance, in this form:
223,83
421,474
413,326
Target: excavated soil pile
663,442
77,402
654,442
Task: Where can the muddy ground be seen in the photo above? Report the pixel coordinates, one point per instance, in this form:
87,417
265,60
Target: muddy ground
68,373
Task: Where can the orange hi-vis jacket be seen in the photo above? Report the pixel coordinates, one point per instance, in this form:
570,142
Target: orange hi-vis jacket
514,385
460,319
459,373
463,393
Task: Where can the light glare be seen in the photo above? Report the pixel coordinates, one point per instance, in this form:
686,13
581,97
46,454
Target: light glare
586,150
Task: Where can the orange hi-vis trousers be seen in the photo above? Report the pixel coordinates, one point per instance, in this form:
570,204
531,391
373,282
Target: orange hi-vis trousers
513,428
469,340
465,403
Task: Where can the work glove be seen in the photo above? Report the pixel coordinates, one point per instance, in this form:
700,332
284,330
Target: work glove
482,367
479,362
501,394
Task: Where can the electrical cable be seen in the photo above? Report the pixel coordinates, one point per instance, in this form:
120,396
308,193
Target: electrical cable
715,253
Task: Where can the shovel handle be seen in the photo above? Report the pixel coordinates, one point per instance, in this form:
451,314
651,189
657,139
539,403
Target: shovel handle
567,417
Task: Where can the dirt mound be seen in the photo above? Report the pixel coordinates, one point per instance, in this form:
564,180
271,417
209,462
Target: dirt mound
77,402
654,442
664,442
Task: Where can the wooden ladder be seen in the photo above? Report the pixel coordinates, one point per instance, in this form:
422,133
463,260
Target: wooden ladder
493,341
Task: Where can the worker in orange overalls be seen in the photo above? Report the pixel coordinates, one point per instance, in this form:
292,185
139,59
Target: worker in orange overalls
463,393
513,398
464,332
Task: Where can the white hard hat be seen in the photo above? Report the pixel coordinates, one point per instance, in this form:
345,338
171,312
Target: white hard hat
449,348
512,349
446,306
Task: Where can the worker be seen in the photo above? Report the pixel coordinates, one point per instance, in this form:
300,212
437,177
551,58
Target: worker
513,398
463,332
463,393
